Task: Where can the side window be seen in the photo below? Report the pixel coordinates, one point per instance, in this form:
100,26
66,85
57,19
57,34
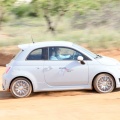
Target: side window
62,53
38,54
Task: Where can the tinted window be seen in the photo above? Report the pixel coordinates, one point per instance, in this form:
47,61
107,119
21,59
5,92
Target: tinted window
62,53
38,54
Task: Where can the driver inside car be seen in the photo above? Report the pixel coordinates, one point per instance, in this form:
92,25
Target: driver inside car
59,56
53,57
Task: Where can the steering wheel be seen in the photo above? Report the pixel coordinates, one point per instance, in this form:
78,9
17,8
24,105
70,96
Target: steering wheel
75,55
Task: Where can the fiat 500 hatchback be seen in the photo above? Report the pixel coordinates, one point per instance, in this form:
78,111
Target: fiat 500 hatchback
59,65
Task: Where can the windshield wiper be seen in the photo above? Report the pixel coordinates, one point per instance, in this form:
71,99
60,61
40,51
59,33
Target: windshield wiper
98,56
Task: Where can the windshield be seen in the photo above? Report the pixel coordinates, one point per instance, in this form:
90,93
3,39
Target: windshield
85,50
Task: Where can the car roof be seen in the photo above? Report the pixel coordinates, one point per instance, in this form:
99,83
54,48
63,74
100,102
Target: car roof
45,44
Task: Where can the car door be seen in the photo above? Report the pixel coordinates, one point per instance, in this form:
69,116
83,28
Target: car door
65,70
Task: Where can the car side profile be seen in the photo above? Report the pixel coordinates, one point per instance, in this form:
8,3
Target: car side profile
57,66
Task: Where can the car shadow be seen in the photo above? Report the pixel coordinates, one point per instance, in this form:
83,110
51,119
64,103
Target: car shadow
64,93
117,90
7,95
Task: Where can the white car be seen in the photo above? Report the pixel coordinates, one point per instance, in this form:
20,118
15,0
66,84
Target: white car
59,65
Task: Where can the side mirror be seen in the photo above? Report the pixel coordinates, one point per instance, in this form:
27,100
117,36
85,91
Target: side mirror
80,58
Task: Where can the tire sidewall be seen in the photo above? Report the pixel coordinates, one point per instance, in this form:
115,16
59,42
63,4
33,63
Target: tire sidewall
95,83
30,87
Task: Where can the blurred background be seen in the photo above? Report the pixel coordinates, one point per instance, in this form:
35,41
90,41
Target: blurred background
94,24
91,23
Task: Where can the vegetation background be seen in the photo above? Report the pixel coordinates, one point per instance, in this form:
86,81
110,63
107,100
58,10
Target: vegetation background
90,23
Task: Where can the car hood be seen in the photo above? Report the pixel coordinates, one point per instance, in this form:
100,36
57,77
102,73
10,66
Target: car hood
108,61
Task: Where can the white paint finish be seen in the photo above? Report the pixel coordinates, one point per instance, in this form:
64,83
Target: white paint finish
65,73
47,75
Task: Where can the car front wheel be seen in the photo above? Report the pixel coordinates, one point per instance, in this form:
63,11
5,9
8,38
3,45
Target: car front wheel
20,88
104,83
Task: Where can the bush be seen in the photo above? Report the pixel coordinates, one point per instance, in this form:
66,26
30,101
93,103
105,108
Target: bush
24,10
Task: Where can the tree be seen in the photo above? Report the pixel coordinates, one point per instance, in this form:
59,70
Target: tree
51,8
5,5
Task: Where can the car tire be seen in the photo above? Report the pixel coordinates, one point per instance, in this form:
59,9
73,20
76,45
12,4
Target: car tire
104,83
21,87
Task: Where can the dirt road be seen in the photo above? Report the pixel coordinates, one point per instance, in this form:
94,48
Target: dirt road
70,105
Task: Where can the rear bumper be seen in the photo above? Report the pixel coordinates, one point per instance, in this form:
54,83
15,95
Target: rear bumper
5,85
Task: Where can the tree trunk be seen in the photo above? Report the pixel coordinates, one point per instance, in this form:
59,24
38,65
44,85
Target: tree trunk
49,23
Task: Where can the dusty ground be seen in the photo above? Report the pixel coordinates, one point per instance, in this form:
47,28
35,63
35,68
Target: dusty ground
7,53
68,105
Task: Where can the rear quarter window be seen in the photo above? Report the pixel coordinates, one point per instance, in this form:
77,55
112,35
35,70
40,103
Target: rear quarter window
38,54
35,55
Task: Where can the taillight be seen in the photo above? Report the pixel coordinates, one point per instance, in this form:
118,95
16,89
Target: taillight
7,69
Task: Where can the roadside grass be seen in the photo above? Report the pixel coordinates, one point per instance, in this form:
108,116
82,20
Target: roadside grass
20,32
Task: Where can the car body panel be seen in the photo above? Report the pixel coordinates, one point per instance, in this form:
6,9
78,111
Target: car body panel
65,73
48,75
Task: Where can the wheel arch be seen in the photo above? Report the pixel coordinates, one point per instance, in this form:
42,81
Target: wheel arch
22,77
102,73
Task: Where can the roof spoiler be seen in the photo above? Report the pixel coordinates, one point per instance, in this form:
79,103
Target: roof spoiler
24,46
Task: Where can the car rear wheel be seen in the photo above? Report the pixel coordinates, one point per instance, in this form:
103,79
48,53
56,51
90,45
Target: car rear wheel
20,88
104,83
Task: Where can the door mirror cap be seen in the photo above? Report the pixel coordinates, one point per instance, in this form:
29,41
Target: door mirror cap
80,58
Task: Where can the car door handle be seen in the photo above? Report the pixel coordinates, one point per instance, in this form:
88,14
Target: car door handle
66,69
48,68
62,67
38,68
